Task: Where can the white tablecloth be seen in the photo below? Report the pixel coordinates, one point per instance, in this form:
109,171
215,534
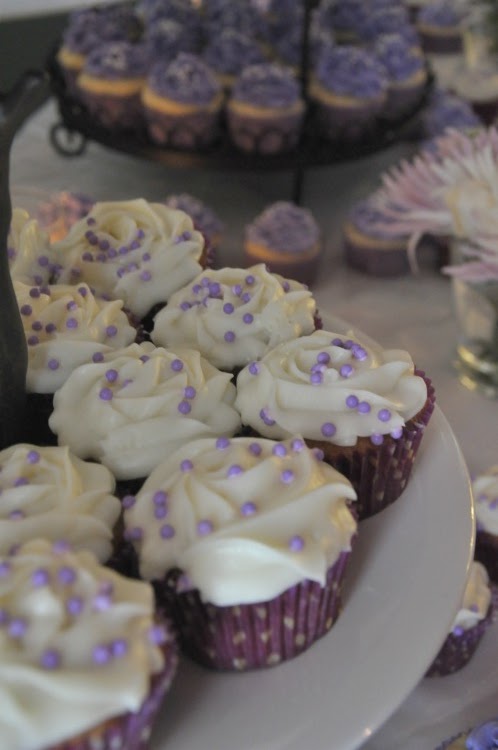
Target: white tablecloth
414,313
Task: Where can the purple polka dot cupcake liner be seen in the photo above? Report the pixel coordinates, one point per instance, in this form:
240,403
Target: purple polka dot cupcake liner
379,474
265,134
458,648
347,123
192,131
130,731
254,636
115,112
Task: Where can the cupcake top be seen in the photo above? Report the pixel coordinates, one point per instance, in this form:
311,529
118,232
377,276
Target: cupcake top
28,249
176,10
367,219
64,326
447,110
400,61
227,14
476,600
115,60
130,408
243,519
204,218
166,39
186,79
330,388
231,51
350,71
235,315
485,489
79,644
390,20
284,226
51,494
346,16
266,85
441,13
134,250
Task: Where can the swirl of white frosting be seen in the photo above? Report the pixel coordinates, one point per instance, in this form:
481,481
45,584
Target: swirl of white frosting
476,599
244,519
49,493
64,326
28,249
235,315
327,387
76,645
485,489
133,250
137,405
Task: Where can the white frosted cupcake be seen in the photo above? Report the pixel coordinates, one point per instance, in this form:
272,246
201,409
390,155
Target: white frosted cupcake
365,407
28,250
485,490
247,541
84,662
130,408
235,315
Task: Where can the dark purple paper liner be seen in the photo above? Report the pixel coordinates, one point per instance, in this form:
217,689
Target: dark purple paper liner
457,650
438,42
130,731
377,261
347,123
189,131
267,134
254,636
379,474
486,552
115,112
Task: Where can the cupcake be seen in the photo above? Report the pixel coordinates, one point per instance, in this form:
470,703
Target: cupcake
446,110
246,541
154,12
483,737
407,74
364,407
49,493
265,110
287,239
28,250
111,82
349,90
78,39
85,662
134,250
345,17
182,103
485,491
439,25
205,219
64,326
130,408
235,315
469,626
229,52
166,38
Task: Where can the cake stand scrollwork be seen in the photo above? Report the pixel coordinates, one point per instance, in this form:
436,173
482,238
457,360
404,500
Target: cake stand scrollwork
67,142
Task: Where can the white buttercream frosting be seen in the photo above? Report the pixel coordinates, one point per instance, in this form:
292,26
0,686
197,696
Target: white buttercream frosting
138,404
329,387
235,315
133,250
64,326
28,249
485,489
76,645
243,519
49,493
476,599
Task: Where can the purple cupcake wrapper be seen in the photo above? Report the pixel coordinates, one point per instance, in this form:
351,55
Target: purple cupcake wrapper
130,731
457,650
123,113
253,636
191,131
370,260
265,135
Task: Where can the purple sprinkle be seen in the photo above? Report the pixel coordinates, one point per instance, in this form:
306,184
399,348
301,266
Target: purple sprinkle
279,450
352,401
197,288
248,508
237,290
74,605
37,326
204,527
123,250
119,648
297,445
255,449
359,353
254,368
60,546
323,358
184,407
248,318
40,577
458,631
250,280
101,654
71,323
364,407
285,286
34,292
91,221
185,306
222,443
189,391
328,429
88,257
140,234
346,371
66,575
186,465
43,261
111,331
234,470
102,602
296,543
384,415
177,365
129,501
157,635
50,659
50,327
319,454
134,245
205,282
71,305
4,568
112,252
33,457
53,364
98,357
106,394
269,422
17,627
111,376
167,531
376,439
21,482
229,336
144,358
16,515
228,308
33,340
396,433
159,497
160,512
146,276
83,291
287,476
316,378
214,289
349,344
336,342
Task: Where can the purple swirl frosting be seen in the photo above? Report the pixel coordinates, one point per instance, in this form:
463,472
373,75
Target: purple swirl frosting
390,21
442,14
365,217
232,51
351,71
344,15
167,38
483,737
226,14
117,60
284,226
91,26
266,85
400,61
187,79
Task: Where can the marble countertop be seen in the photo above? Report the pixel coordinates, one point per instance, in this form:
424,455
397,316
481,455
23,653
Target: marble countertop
411,312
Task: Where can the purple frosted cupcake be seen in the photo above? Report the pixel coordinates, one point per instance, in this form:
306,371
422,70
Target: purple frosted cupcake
166,39
390,20
265,110
346,17
204,218
85,650
219,15
349,89
446,110
182,103
470,624
483,737
249,566
228,53
111,82
287,239
407,74
439,25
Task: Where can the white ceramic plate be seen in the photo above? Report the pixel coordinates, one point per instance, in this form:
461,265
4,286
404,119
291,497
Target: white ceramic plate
402,591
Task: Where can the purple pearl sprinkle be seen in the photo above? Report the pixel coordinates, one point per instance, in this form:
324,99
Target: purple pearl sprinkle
40,577
222,443
17,627
279,450
250,280
50,327
248,508
146,257
177,365
33,340
352,402
88,257
184,407
296,543
286,286
189,391
128,501
336,342
377,439
134,245
323,358
106,394
34,292
26,310
316,378
458,631
346,371
229,336
185,306
160,512
384,415
21,482
297,445
159,497
111,375
228,308
214,289
157,635
349,344
255,449
167,531
145,276
234,470
37,326
360,354
53,364
4,568
50,659
269,422
328,429
74,605
144,358
43,261
111,331
71,305
254,368
101,654
97,357
287,476
66,575
33,457
60,546
197,288
71,323
364,407
396,433
119,648
16,515
246,297
248,318
102,602
186,465
205,282
237,290
204,527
